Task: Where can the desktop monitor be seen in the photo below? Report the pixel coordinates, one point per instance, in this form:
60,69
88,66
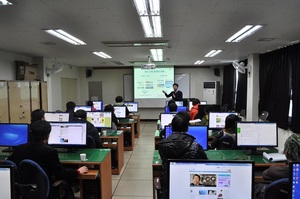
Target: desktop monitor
133,107
98,105
82,107
201,103
294,180
56,117
12,135
217,119
166,119
199,132
100,119
7,179
211,179
120,111
256,134
178,103
67,135
179,109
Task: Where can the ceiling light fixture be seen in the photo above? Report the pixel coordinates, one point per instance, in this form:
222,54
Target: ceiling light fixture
243,33
157,54
157,26
146,26
141,7
5,3
199,62
65,36
154,7
102,54
213,53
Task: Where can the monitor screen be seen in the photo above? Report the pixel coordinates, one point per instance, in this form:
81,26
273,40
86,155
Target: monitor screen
68,134
166,119
179,103
256,134
211,179
295,180
120,111
179,109
133,107
12,135
217,119
56,117
82,107
199,132
100,119
7,188
203,102
98,105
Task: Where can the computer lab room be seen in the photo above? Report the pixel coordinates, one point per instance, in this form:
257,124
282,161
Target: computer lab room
149,99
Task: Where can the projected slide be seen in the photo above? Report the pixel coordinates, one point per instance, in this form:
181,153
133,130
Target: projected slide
149,83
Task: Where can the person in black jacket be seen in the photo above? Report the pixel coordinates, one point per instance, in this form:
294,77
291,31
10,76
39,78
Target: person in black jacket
80,116
176,94
70,109
229,130
110,108
37,115
44,155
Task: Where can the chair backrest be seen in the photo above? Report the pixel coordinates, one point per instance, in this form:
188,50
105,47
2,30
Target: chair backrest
8,162
31,173
264,116
277,190
90,142
226,142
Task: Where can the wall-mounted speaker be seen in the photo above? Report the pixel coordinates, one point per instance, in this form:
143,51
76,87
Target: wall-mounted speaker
217,72
88,73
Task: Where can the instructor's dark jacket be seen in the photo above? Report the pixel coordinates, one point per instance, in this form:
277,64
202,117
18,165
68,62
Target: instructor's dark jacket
178,95
46,157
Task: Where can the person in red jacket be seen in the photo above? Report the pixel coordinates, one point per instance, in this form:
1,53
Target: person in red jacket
194,109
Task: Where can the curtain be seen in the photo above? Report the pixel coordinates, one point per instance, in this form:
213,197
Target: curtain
241,95
295,65
228,86
274,86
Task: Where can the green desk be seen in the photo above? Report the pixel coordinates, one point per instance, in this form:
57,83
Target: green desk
131,129
156,139
260,162
115,140
158,124
99,157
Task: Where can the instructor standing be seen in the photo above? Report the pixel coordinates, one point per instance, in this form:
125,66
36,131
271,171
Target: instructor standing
176,94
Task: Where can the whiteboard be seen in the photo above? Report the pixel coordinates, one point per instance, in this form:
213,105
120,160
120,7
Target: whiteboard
183,80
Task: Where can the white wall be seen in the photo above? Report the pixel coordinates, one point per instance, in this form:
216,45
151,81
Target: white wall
8,66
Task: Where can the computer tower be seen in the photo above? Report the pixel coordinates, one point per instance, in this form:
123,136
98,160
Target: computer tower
211,92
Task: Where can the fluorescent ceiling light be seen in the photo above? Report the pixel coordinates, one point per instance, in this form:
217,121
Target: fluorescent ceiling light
65,36
102,54
213,53
157,54
157,26
243,33
146,26
199,62
141,7
154,7
5,3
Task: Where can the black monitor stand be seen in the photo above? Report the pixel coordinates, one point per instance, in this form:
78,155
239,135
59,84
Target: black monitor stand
8,150
253,151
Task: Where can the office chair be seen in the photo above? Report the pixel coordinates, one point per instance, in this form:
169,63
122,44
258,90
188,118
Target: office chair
8,162
277,189
264,116
226,142
243,113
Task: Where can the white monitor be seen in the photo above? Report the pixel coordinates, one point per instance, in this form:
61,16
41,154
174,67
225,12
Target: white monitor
133,107
68,134
179,103
203,102
254,134
120,111
56,117
100,119
82,107
7,188
166,119
98,105
211,179
217,119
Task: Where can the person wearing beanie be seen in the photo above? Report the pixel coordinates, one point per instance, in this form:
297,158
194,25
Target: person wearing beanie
292,153
47,157
229,130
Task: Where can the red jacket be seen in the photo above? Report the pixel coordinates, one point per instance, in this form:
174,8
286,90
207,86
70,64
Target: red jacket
194,111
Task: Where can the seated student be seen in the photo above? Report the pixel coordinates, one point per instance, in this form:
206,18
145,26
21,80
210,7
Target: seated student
205,119
91,104
80,116
194,109
37,115
292,153
110,108
119,102
70,109
46,156
229,130
172,107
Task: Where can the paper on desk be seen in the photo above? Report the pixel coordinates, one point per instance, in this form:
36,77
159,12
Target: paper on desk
274,157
